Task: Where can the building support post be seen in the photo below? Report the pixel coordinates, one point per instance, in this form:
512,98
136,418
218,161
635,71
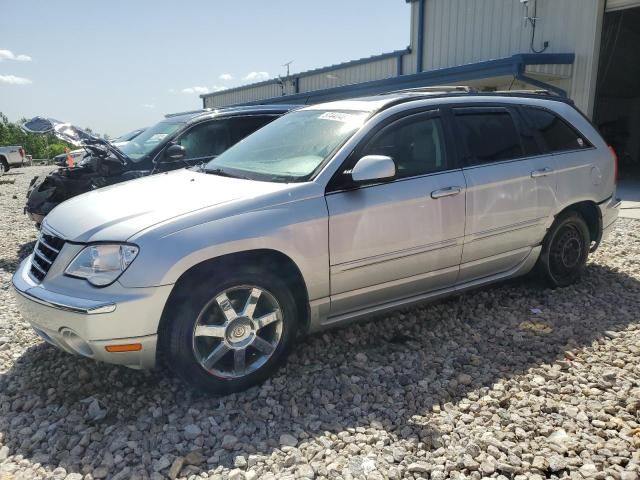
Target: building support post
420,49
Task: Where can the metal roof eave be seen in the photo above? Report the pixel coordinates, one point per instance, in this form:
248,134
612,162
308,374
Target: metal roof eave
510,66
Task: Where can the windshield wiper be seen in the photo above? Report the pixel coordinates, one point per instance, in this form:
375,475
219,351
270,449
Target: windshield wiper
282,178
223,173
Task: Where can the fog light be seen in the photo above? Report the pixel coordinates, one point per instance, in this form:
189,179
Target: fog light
73,341
128,347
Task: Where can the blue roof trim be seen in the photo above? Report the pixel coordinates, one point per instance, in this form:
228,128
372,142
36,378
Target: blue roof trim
524,59
351,63
510,66
531,59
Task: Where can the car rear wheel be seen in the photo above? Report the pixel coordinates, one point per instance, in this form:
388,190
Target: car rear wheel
231,334
4,167
565,250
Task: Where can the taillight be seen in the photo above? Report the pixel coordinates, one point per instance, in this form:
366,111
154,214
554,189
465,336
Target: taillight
22,152
615,164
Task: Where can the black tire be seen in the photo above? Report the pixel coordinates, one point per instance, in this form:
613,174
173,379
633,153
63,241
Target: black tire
565,250
4,166
177,332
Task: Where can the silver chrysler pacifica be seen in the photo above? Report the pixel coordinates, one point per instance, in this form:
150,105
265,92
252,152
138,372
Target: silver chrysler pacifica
330,213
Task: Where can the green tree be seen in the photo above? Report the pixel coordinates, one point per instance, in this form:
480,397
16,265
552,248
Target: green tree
55,149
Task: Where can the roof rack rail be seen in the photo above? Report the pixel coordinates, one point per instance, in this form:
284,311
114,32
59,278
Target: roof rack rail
527,92
436,89
200,110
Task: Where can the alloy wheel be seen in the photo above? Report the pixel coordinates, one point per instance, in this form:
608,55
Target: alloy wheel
237,331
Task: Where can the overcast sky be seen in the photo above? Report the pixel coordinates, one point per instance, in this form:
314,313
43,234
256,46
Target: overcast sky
117,65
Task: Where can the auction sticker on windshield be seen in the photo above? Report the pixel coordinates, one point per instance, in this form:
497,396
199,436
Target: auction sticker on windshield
156,138
340,117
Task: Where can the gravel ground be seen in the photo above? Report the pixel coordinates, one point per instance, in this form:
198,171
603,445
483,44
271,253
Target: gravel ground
476,386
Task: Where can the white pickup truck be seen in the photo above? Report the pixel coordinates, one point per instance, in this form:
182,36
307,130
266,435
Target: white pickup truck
11,156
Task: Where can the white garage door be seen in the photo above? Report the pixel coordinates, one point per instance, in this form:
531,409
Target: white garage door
621,4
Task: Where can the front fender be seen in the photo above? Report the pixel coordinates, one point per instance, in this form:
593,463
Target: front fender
299,230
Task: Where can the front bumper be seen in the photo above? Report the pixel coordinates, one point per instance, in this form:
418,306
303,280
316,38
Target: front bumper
86,326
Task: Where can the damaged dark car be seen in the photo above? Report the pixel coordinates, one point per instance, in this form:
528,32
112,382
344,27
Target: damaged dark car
178,141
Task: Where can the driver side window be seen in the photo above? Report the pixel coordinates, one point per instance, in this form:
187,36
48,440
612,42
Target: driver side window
416,145
206,140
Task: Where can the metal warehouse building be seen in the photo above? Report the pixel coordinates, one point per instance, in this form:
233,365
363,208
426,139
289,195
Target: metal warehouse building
586,49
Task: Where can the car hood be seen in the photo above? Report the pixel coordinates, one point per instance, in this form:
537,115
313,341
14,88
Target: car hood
117,212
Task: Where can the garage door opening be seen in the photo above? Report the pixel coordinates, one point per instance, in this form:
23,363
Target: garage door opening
617,108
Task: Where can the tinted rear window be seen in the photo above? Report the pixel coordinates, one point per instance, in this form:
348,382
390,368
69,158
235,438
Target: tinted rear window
489,137
245,126
556,134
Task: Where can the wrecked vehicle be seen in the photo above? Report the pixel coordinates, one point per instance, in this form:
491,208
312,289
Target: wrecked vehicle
180,140
78,155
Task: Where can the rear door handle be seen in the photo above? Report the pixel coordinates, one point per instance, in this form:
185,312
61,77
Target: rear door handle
543,172
446,192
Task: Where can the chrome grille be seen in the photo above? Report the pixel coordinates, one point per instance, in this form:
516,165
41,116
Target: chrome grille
44,254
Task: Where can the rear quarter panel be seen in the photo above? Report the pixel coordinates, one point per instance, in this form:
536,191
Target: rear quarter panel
586,174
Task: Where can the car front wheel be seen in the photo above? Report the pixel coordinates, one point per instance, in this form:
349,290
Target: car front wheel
230,334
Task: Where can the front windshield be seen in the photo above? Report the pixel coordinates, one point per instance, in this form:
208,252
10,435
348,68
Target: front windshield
128,136
291,148
149,139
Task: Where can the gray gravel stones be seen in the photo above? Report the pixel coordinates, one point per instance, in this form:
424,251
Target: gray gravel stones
287,440
229,442
4,453
511,382
191,432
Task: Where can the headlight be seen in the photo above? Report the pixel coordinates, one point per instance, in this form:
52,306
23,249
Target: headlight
101,265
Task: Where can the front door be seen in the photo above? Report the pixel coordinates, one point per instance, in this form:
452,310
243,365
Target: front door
400,238
208,139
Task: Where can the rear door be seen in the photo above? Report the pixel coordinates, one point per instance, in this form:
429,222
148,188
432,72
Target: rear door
564,162
402,237
507,199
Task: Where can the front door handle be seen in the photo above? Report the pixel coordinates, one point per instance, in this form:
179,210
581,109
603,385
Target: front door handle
446,192
543,172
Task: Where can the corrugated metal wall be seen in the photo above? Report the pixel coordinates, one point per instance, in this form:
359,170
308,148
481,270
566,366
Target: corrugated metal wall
363,72
256,92
459,32
347,76
409,60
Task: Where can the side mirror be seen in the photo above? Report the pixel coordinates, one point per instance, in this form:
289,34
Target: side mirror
175,153
373,168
